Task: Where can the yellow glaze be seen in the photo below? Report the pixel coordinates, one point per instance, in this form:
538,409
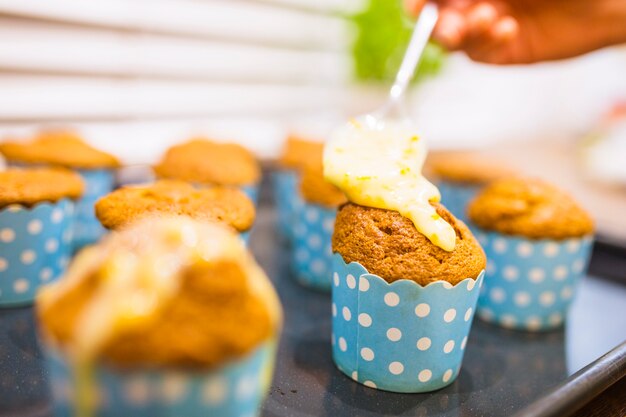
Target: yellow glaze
380,165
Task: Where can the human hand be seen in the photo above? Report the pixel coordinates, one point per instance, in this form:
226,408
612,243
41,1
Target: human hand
527,31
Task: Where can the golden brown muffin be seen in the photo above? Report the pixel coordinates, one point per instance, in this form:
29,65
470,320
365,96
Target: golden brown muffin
299,153
214,305
530,208
58,148
31,186
229,206
388,245
315,189
465,167
204,162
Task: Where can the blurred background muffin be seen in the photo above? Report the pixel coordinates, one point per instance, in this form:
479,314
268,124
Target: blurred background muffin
313,225
538,241
460,175
63,148
119,315
36,215
297,153
203,162
127,205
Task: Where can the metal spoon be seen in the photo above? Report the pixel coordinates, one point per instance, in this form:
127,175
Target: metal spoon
394,107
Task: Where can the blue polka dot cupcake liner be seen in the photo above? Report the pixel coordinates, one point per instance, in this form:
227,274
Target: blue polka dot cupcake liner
399,337
312,260
530,284
236,390
456,197
87,227
286,200
35,248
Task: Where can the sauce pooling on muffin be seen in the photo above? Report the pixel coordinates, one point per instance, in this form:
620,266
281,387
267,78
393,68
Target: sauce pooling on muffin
381,166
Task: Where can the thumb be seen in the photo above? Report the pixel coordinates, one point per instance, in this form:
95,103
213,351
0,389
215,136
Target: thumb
414,7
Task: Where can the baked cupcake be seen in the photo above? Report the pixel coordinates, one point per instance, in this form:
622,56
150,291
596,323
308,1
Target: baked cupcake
203,162
67,149
297,154
538,241
36,215
313,229
407,273
170,316
460,175
126,205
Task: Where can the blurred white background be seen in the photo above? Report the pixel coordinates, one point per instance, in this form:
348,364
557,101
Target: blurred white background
137,75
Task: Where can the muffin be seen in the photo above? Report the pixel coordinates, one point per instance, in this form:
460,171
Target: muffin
157,319
36,215
67,149
402,306
203,162
313,229
126,205
538,241
297,154
460,175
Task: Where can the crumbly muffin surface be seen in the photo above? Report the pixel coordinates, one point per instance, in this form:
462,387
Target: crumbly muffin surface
299,153
31,186
388,245
58,148
167,197
531,208
465,167
206,162
315,189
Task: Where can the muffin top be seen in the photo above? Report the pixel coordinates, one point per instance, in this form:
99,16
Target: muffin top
465,167
59,148
172,292
315,189
299,153
229,206
531,208
388,245
31,186
205,162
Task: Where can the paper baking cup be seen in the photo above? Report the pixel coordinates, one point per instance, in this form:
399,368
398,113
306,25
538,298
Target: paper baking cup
285,196
456,197
529,284
87,228
235,390
399,337
312,261
35,248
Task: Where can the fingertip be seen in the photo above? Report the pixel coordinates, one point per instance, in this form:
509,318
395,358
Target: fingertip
450,31
505,29
482,16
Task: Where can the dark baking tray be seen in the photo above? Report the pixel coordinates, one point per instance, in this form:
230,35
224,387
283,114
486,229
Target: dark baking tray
504,372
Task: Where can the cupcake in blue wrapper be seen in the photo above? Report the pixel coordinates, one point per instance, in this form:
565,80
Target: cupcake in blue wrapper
168,317
459,176
313,229
297,154
36,217
206,163
538,242
402,306
67,149
129,204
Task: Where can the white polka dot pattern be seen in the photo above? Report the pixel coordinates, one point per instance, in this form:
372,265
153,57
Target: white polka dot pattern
285,192
312,260
236,390
388,348
30,246
87,229
532,282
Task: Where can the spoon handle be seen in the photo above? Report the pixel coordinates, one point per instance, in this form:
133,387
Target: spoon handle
421,33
